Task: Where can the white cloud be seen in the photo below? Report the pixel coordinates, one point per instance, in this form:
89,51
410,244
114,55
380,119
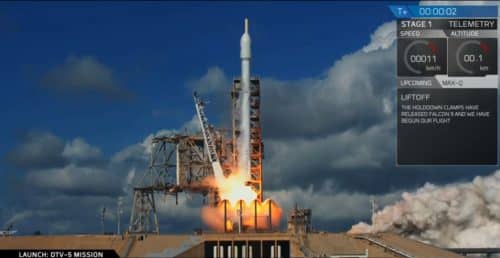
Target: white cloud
213,81
84,75
78,149
72,179
37,150
352,205
192,126
315,157
383,37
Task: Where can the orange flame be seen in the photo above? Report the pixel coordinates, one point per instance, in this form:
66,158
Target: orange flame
229,225
234,188
240,205
255,215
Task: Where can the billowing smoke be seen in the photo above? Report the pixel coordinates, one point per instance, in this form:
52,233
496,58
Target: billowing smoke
455,215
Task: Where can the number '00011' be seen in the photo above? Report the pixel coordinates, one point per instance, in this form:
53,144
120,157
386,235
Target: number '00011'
422,58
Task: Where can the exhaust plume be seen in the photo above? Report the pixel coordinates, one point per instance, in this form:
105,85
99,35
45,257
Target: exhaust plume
454,216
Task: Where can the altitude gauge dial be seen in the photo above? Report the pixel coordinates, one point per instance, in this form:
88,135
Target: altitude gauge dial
421,57
472,57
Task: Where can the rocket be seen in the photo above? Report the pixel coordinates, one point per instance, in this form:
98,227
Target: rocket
244,141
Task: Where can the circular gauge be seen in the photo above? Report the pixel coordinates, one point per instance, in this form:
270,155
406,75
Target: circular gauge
420,54
470,55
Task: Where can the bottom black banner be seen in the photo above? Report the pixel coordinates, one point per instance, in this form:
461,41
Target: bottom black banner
41,253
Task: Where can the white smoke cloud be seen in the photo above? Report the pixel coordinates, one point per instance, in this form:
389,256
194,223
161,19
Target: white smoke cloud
454,215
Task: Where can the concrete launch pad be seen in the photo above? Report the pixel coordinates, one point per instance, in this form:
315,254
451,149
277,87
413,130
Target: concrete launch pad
220,245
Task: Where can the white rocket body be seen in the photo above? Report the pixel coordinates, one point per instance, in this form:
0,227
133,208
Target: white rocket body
244,139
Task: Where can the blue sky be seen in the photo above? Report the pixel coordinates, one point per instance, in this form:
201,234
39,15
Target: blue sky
153,49
87,84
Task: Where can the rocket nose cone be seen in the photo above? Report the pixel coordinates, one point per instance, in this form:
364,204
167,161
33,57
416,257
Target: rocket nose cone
245,42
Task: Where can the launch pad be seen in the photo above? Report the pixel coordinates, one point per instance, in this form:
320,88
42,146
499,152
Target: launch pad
254,245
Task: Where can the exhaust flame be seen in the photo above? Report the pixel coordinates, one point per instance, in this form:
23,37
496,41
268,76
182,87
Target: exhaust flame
233,189
455,216
254,215
235,193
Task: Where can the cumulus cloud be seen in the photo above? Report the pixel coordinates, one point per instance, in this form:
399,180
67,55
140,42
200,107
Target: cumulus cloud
84,74
321,199
356,92
37,150
42,150
383,37
58,213
74,180
213,81
350,96
192,126
62,198
313,160
141,151
80,151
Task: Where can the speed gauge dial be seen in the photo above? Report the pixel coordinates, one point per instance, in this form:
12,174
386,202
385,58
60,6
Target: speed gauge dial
421,57
472,57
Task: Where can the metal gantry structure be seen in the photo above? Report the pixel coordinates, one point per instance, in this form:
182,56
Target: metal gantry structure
158,178
178,163
183,162
144,218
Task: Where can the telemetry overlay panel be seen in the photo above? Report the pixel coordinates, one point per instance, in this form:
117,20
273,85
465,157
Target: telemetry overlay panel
447,85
